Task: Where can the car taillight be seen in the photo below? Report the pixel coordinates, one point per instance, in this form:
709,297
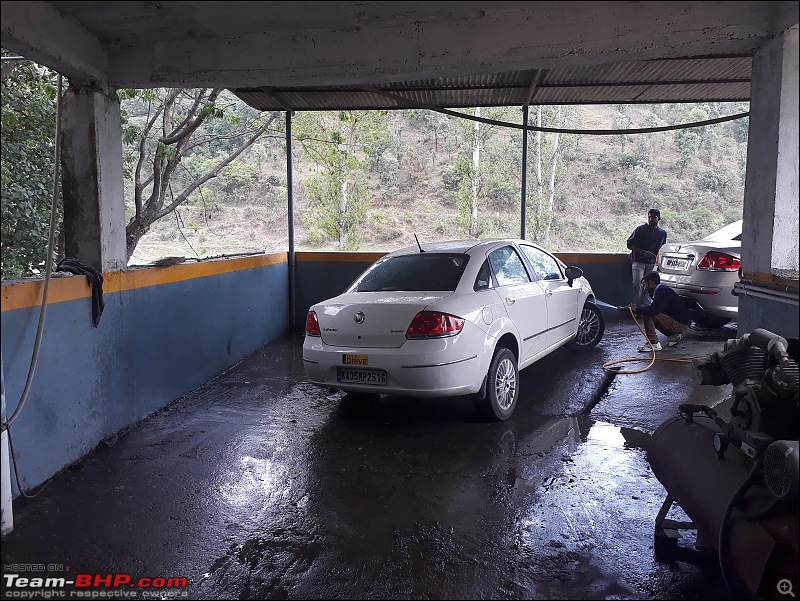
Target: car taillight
432,324
312,324
716,261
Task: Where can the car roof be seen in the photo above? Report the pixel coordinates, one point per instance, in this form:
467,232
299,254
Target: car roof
453,246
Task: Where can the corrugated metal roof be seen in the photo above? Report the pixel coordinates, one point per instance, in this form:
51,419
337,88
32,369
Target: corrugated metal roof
719,79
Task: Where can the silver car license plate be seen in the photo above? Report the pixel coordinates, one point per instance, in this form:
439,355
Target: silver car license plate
361,376
672,263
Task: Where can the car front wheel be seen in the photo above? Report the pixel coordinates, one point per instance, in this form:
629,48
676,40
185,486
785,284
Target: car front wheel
591,328
502,385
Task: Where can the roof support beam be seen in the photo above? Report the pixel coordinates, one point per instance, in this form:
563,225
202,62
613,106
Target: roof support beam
39,32
445,39
538,75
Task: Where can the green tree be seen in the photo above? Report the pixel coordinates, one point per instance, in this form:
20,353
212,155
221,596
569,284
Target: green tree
687,141
436,128
549,172
622,120
342,145
470,171
28,133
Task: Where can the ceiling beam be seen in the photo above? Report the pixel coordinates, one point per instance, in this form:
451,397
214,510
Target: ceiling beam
515,36
37,31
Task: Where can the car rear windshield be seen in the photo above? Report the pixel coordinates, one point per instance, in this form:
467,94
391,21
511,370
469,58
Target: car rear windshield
425,272
732,231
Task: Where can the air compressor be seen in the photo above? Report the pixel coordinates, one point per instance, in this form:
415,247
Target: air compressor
738,479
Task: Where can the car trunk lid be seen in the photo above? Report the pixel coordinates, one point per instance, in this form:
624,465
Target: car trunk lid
683,259
679,259
371,319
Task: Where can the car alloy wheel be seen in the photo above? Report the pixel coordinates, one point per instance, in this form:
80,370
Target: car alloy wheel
591,328
503,384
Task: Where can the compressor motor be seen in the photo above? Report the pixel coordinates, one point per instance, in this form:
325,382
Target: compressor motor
738,480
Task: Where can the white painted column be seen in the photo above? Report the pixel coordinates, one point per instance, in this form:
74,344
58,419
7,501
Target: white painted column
94,205
770,260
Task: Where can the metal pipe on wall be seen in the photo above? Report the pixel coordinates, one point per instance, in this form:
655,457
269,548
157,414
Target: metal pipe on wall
758,290
290,202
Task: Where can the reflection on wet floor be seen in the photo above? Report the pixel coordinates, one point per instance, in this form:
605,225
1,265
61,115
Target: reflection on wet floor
600,514
408,501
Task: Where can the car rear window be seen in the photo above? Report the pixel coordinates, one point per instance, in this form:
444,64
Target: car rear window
425,272
732,231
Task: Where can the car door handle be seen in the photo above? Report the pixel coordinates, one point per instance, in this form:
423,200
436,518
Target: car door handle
548,293
510,300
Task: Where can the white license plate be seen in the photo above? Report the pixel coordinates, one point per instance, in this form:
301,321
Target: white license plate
671,263
361,376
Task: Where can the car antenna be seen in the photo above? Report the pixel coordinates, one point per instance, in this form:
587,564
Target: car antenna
418,244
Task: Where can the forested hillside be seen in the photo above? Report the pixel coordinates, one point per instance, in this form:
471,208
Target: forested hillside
414,172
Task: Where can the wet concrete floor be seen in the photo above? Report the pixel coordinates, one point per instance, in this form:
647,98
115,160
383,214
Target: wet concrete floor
258,485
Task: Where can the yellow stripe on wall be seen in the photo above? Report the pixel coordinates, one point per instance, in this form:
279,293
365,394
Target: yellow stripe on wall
28,293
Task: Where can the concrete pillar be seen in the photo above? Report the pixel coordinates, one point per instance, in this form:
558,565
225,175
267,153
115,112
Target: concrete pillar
94,205
770,262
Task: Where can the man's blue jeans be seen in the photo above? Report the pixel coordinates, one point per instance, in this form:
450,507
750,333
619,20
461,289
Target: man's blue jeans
638,271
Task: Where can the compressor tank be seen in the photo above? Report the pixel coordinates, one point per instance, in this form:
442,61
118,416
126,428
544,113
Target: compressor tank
733,511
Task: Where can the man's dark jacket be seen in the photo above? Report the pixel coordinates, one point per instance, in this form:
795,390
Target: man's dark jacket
646,238
667,301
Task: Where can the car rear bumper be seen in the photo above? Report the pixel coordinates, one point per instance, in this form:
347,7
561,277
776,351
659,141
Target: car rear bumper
424,369
713,300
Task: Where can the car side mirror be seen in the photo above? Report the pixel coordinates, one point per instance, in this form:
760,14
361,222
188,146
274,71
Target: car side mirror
573,273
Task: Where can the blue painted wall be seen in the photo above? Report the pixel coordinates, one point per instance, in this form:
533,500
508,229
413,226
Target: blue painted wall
319,278
152,345
777,317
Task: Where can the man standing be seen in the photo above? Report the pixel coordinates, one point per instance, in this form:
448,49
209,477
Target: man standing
644,244
667,314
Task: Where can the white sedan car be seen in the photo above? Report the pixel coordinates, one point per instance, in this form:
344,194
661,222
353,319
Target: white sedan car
703,273
450,319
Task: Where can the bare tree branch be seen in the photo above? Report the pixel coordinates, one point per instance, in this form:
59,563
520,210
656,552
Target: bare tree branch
187,128
197,102
215,172
175,142
140,185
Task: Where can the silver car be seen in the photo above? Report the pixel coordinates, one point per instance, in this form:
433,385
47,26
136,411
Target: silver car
703,273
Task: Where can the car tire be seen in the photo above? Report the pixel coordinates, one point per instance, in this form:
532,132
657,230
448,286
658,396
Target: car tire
502,385
591,328
706,320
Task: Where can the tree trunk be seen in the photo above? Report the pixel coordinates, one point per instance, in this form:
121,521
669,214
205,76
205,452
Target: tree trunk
173,143
539,179
552,191
343,217
476,175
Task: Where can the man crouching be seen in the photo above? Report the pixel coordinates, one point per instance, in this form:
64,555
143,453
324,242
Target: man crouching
667,313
